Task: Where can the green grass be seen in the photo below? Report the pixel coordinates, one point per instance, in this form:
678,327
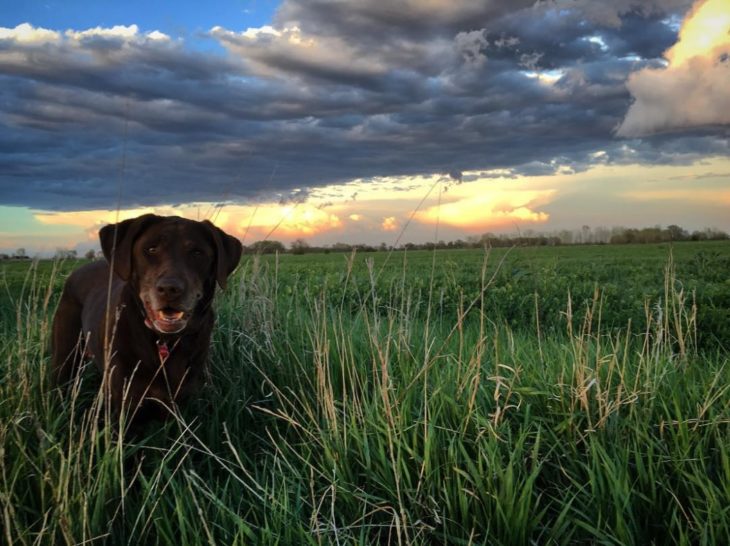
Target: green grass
537,396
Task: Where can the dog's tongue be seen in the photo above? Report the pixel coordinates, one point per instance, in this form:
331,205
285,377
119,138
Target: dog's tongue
168,321
169,315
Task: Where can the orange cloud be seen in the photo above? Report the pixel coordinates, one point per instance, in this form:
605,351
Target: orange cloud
704,29
249,222
495,209
276,221
389,224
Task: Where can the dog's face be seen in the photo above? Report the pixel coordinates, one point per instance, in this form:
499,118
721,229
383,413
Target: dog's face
173,263
172,260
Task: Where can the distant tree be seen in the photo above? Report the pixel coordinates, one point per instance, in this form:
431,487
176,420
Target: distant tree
601,234
65,254
585,235
20,253
299,246
90,254
267,247
715,234
677,233
566,237
341,247
618,235
364,248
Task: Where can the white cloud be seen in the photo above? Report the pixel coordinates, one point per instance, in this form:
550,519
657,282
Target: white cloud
262,31
118,31
28,34
157,35
129,33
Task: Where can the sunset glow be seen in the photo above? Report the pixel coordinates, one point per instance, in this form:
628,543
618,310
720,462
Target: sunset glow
541,203
495,210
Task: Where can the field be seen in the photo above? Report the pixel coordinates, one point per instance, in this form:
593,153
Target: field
568,395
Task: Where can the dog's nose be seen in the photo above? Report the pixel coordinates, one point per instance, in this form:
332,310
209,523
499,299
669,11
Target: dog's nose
170,287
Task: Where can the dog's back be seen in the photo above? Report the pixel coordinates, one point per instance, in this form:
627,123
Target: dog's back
80,316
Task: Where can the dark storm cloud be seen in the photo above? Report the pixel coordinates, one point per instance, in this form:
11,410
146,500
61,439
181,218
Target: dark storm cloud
369,22
336,90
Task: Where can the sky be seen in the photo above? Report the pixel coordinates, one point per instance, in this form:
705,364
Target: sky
362,121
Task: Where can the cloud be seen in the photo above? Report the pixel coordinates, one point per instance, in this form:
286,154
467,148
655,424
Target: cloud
495,209
289,52
612,14
126,33
370,21
248,222
471,45
328,92
692,89
28,34
389,224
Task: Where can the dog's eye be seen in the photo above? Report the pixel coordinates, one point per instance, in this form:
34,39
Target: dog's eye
197,253
151,250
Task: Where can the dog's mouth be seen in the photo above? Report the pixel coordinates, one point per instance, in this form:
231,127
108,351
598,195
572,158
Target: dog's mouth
167,320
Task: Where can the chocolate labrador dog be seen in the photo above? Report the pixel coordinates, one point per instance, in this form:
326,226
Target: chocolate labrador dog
144,315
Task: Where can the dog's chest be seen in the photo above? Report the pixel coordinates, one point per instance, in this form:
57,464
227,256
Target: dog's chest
166,372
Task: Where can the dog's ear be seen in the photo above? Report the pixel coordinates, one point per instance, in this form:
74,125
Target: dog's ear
228,251
117,241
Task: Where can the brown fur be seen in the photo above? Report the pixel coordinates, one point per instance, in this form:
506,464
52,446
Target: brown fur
159,280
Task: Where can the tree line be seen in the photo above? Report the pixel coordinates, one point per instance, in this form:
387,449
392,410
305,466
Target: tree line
584,236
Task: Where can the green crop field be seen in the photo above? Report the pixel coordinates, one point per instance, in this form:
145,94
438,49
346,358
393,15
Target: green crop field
563,395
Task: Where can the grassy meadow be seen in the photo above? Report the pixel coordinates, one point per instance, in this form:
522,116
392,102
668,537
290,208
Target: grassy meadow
564,395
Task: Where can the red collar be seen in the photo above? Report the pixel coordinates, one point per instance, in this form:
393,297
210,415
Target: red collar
164,350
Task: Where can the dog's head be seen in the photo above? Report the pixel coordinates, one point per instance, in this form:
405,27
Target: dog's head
172,262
